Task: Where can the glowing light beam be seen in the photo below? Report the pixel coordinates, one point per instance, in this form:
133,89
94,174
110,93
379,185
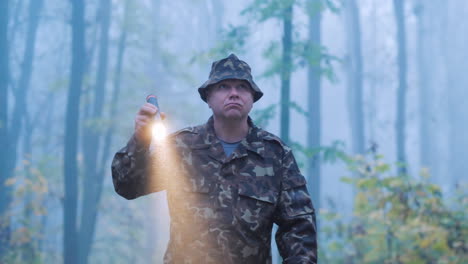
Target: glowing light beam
159,132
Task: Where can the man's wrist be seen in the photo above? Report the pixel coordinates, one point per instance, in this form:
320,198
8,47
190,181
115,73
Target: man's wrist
138,145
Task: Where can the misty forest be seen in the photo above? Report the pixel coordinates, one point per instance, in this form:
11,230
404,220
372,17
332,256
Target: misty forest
368,93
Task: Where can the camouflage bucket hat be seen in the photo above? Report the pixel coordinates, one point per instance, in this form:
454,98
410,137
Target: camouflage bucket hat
230,68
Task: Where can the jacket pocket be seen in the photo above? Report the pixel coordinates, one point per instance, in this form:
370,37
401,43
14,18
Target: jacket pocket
257,192
255,208
295,198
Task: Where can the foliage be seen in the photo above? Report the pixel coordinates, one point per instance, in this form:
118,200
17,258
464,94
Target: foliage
330,154
263,116
234,38
331,5
263,10
27,211
396,219
307,53
304,53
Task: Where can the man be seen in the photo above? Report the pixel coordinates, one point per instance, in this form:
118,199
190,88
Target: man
227,181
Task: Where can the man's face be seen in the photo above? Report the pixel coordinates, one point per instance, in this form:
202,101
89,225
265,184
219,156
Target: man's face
230,99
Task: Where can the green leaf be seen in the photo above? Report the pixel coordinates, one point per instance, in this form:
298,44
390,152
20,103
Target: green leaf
273,54
298,108
332,6
367,183
381,168
263,10
347,180
234,39
263,116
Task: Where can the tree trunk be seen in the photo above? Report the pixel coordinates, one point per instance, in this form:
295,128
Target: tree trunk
314,109
45,124
354,73
19,110
20,116
26,72
286,69
70,246
30,249
115,101
425,87
401,93
15,19
115,93
5,191
92,181
156,64
456,57
374,81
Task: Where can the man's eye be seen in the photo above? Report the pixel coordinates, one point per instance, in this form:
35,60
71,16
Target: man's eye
222,86
243,87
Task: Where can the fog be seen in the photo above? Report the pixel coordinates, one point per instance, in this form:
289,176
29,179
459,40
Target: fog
369,82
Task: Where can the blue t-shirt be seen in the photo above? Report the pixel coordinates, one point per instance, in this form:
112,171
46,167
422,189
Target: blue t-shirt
229,147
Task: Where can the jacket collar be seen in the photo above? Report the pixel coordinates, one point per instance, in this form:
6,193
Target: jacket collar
252,142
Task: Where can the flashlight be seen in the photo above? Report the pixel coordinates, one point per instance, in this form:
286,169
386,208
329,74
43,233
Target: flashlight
158,130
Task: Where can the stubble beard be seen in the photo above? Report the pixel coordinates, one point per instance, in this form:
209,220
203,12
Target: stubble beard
231,115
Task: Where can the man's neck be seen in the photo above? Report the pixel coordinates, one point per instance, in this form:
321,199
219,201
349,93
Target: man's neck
231,130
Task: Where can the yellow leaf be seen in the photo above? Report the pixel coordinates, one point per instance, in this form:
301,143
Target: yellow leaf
10,181
361,201
425,172
35,172
425,242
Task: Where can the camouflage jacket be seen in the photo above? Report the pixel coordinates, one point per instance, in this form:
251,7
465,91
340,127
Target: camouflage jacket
223,208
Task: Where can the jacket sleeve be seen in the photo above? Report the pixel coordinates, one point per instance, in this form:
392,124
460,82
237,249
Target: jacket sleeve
297,235
132,172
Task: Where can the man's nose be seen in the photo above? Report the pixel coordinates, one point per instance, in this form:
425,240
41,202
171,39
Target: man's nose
233,91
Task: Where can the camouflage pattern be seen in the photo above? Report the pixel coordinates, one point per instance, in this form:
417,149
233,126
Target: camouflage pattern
223,208
230,68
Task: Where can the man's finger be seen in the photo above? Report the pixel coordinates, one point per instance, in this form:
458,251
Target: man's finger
148,109
142,119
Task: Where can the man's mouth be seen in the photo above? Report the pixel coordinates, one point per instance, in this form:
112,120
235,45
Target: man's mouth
233,105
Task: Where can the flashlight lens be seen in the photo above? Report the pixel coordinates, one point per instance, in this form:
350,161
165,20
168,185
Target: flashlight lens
159,131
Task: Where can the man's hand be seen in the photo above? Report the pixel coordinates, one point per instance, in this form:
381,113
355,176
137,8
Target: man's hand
143,121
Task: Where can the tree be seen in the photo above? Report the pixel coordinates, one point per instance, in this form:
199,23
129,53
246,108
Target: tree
286,70
20,112
401,92
313,100
115,97
284,66
77,69
92,135
354,75
429,17
20,108
425,89
5,191
455,56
